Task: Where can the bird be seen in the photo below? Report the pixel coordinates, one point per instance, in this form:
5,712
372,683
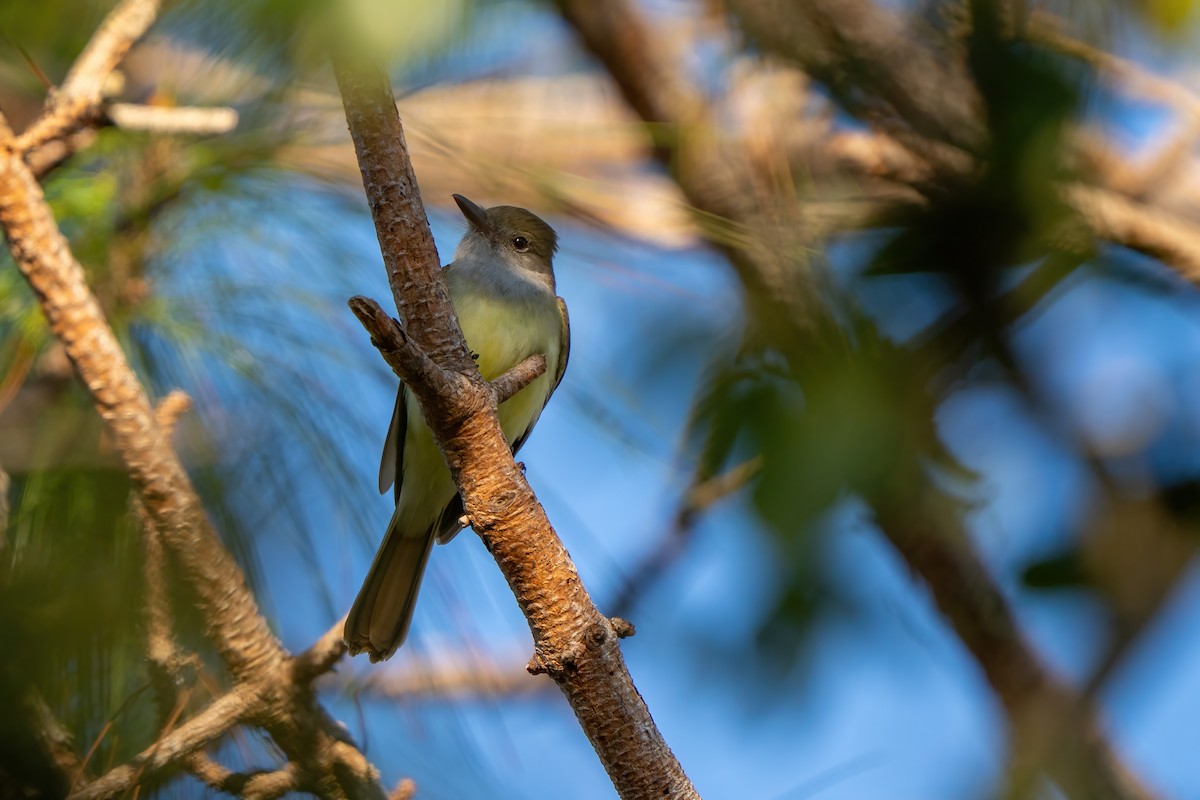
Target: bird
501,284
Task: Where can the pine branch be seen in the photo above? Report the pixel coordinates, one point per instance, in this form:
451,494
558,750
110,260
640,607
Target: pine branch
265,690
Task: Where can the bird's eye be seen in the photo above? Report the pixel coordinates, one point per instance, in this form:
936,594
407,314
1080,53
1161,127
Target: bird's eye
521,243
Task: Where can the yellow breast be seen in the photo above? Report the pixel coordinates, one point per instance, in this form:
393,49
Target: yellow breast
503,333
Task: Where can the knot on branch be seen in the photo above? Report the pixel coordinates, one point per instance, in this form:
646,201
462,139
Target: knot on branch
556,665
565,663
406,789
598,634
622,627
170,409
257,783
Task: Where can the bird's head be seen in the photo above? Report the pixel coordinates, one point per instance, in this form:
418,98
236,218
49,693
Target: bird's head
518,238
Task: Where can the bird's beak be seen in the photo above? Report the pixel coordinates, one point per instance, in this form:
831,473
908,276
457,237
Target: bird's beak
475,214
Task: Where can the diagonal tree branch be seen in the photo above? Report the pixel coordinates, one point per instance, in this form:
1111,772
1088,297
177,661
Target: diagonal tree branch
248,648
194,734
74,316
266,690
411,364
1139,226
574,643
1051,724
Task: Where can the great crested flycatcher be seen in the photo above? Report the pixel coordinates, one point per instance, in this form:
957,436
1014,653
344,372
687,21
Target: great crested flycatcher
501,283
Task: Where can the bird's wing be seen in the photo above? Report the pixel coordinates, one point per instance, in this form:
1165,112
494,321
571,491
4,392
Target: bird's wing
564,354
391,465
564,346
393,446
450,522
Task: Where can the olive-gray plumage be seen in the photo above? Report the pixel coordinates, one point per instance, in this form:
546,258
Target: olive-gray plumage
502,286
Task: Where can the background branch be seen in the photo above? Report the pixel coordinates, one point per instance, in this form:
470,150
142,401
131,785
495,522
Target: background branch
77,100
852,38
260,667
172,119
449,679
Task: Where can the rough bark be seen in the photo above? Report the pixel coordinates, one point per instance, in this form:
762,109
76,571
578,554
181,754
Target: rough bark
574,643
74,317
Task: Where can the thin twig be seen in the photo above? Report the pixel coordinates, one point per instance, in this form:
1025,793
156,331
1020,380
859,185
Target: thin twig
1170,238
261,785
172,119
78,99
194,734
517,378
170,409
406,789
449,679
1137,81
1108,210
45,159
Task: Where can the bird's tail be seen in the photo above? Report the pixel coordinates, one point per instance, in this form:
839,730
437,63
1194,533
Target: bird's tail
379,619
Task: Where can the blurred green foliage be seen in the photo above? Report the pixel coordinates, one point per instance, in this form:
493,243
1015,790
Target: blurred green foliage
71,604
836,409
163,226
